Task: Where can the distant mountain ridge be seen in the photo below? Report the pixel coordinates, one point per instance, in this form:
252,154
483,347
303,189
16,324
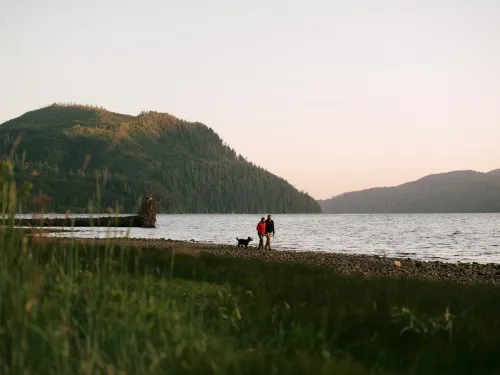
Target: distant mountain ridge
463,191
77,153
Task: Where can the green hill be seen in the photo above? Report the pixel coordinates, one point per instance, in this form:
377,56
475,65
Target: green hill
69,148
452,192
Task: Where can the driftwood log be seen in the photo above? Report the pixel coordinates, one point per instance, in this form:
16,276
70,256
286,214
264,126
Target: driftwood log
146,218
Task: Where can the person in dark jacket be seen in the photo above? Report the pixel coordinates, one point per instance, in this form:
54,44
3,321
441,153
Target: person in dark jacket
269,231
261,232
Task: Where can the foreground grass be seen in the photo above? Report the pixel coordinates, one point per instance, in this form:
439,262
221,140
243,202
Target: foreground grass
78,309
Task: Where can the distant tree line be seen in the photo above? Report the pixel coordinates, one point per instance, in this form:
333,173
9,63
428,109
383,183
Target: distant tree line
80,154
453,192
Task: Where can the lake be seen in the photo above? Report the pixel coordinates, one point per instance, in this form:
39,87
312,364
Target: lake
443,237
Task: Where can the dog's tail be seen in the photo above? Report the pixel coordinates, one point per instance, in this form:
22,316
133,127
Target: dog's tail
237,239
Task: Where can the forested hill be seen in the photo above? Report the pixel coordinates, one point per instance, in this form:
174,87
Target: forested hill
459,191
70,147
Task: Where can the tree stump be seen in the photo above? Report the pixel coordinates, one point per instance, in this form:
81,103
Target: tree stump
147,213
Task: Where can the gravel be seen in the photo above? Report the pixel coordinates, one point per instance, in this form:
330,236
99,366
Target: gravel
349,264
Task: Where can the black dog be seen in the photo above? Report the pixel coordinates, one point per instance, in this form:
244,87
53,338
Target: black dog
243,242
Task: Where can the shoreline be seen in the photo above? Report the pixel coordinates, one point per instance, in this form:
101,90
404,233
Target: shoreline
368,266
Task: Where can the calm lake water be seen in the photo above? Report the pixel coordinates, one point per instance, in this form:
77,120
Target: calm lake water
445,237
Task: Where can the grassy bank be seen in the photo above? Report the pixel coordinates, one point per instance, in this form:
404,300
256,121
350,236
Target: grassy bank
81,308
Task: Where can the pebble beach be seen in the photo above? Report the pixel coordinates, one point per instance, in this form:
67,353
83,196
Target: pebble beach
364,265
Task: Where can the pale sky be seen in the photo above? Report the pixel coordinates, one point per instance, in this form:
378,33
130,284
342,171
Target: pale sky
331,95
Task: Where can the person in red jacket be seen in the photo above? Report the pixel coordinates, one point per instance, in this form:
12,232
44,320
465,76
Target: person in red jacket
261,232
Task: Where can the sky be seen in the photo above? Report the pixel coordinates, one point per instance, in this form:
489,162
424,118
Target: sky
333,96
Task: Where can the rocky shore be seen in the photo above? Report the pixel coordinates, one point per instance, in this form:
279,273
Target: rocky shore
349,264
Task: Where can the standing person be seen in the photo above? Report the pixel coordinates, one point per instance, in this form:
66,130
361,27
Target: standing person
261,232
269,231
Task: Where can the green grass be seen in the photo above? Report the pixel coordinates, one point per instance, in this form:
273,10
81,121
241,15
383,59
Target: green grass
80,309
